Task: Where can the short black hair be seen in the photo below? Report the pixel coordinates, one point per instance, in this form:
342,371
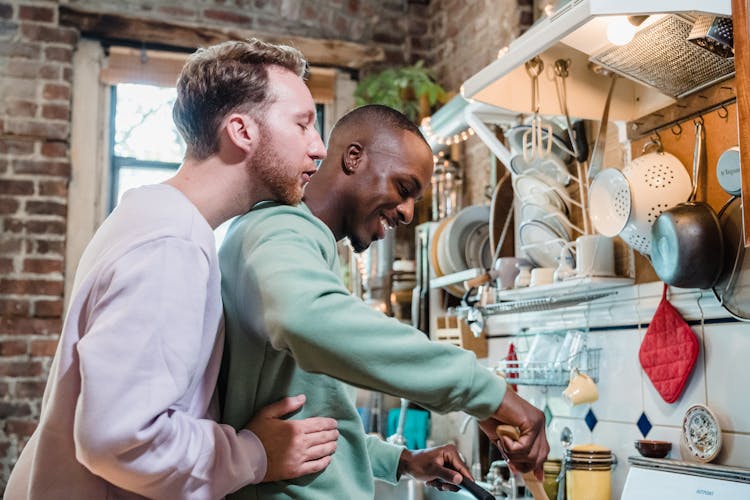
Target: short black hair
379,114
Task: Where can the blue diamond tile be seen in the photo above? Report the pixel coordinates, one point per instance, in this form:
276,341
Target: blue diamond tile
644,425
547,415
591,419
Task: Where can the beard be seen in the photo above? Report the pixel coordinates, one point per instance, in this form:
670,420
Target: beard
278,175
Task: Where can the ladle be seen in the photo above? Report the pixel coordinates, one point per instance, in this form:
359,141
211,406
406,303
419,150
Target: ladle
566,439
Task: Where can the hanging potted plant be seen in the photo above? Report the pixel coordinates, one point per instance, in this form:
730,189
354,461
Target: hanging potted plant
409,89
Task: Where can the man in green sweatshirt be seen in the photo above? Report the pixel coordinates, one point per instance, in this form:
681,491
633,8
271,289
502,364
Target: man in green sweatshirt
292,327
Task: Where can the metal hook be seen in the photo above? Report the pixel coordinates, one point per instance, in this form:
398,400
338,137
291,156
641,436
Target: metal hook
698,121
678,131
725,113
561,67
534,67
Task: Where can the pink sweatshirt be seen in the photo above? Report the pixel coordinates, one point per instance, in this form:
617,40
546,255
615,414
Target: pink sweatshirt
126,412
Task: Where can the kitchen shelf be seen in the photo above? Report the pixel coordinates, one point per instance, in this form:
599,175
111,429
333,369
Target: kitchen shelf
562,289
550,374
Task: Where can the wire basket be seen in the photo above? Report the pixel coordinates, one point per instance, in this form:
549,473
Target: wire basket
550,373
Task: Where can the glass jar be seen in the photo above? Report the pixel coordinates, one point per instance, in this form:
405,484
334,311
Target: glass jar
551,470
447,187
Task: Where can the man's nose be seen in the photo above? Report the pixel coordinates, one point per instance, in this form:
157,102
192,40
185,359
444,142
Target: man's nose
317,148
406,211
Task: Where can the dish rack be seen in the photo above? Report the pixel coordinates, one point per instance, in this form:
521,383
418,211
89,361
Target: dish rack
550,373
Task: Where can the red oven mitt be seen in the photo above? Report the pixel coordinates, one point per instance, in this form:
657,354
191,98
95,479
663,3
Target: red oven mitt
668,351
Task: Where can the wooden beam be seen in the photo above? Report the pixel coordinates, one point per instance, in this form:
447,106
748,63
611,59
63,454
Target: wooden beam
319,52
742,66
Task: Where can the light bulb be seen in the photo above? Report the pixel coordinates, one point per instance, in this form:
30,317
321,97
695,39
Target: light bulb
620,31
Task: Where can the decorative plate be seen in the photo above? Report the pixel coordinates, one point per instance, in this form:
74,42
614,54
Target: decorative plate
701,434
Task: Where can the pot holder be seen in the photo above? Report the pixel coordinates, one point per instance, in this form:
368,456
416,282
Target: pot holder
668,351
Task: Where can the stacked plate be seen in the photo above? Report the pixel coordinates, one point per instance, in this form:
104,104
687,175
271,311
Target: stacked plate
539,184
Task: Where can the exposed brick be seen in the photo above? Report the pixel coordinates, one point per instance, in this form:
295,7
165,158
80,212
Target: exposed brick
29,388
53,188
21,89
45,227
23,68
16,147
10,245
8,205
59,54
56,92
29,326
67,74
42,167
46,208
6,11
41,14
6,265
176,11
225,16
55,149
56,111
43,347
14,408
48,308
50,72
20,369
42,266
4,389
49,34
16,187
36,128
15,307
20,427
13,225
21,108
21,49
13,348
45,247
31,287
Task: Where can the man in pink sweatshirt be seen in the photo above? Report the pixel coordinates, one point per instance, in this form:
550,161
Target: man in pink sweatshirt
129,408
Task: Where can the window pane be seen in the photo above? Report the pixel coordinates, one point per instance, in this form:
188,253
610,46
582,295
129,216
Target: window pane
133,177
143,124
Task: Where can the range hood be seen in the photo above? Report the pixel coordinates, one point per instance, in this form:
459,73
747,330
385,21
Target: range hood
577,30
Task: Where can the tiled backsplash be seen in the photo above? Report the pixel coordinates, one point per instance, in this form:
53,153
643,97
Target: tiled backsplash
617,325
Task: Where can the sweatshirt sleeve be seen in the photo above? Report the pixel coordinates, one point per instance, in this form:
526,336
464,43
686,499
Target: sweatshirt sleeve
141,351
384,458
308,311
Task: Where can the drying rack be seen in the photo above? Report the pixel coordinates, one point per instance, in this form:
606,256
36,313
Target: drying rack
552,374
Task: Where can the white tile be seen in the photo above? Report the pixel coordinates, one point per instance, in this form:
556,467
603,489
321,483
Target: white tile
498,348
581,434
735,450
728,373
560,408
619,438
660,412
620,387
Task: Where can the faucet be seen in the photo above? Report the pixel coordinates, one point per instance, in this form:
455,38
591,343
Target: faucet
398,438
506,488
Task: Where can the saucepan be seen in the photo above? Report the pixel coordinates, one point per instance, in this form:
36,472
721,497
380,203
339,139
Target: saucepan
686,240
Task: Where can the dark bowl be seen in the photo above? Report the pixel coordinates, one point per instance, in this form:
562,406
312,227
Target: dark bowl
653,449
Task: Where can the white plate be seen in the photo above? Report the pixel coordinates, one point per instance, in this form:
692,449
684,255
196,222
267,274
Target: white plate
467,220
542,244
549,166
548,214
477,251
609,202
540,191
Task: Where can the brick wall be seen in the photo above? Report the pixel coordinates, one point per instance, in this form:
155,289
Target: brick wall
35,91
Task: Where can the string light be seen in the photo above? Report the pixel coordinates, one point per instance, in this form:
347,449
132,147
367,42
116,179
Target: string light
445,140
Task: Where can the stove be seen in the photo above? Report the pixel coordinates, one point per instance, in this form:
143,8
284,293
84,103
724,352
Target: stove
663,479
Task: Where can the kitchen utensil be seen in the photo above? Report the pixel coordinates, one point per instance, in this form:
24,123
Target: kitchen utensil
597,157
548,214
713,33
561,147
668,351
581,389
732,289
437,256
566,439
686,238
658,181
549,166
501,215
653,449
609,202
476,490
532,140
541,191
532,483
728,171
541,243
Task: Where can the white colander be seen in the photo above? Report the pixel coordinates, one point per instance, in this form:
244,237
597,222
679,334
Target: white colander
657,181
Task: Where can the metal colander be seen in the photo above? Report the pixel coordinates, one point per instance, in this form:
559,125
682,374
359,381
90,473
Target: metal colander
661,56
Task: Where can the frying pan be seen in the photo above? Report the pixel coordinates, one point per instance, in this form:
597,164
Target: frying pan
686,238
732,289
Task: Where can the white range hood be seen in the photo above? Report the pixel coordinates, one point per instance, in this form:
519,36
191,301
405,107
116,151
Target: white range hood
577,31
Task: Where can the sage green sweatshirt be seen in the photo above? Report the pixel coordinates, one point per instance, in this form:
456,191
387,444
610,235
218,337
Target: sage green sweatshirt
292,327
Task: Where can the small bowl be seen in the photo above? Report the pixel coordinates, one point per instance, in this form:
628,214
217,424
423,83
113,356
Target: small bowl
653,449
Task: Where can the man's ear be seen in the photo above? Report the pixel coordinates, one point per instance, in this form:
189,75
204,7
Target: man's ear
242,131
353,156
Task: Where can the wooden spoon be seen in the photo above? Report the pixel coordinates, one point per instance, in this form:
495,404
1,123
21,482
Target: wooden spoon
532,483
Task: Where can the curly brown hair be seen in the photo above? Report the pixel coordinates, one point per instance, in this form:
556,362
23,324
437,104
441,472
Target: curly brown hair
225,78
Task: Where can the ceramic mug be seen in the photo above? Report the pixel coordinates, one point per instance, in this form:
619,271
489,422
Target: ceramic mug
581,389
507,268
595,256
542,276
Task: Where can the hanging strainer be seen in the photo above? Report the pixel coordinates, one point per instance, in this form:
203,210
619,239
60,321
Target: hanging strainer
657,181
609,202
